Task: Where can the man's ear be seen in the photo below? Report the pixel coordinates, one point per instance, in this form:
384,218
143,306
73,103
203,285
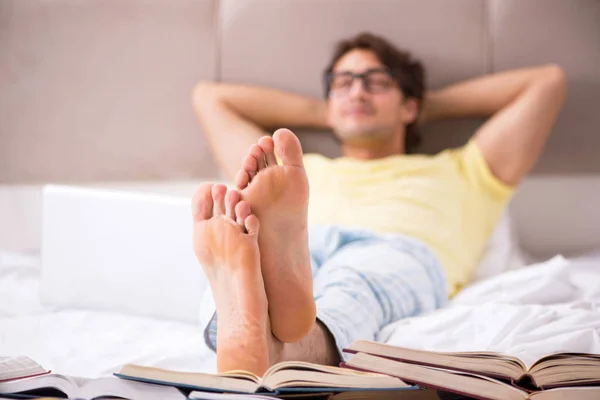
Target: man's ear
410,108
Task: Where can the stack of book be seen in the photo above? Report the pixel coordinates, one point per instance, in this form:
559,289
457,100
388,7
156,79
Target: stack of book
374,371
484,375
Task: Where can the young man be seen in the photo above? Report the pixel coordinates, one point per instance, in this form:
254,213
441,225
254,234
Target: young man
394,234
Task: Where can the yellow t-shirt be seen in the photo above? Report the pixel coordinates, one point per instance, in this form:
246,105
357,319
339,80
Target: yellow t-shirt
450,201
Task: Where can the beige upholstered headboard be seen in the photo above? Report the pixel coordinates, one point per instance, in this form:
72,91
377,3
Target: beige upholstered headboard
99,90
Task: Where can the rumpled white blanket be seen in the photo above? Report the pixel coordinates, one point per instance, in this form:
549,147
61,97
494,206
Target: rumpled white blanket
553,306
84,342
538,310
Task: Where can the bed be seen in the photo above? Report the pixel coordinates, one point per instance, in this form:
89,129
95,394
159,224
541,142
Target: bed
540,292
529,312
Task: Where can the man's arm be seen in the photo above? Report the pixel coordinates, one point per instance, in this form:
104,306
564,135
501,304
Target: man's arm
524,105
233,117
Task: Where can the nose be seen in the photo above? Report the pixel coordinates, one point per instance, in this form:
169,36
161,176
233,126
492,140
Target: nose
357,89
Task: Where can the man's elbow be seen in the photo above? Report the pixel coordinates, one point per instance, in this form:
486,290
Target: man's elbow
555,79
203,93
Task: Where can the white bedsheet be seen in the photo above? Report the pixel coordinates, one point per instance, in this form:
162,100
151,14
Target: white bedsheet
528,313
88,343
549,307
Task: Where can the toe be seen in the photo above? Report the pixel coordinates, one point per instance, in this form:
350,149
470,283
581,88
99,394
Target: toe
250,165
252,224
218,195
242,210
232,198
257,153
202,203
268,147
242,179
288,147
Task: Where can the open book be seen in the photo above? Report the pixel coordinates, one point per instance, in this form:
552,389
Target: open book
557,370
19,367
67,386
287,377
482,374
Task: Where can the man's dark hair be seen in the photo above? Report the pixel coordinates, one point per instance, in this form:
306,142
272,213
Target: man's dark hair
407,71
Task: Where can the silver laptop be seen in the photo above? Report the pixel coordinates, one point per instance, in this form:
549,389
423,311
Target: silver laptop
121,251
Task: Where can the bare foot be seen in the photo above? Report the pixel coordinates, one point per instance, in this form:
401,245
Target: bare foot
278,195
226,245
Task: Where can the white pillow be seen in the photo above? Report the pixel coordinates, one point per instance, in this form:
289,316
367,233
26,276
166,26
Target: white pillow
502,252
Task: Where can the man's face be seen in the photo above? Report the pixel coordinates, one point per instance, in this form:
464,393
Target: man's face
360,113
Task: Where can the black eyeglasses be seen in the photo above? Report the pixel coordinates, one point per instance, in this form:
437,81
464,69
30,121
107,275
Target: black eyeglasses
376,80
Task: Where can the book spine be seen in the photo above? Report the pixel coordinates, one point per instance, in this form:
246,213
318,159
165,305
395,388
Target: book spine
525,383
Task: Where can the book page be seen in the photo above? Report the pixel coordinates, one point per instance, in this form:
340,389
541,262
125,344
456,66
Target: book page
61,383
240,373
579,393
465,384
289,378
301,365
19,367
77,381
115,387
231,381
565,368
566,360
485,363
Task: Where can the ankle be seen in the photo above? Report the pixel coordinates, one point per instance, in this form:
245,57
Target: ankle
293,330
248,354
276,350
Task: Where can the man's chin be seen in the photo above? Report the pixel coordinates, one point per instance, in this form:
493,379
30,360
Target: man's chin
359,134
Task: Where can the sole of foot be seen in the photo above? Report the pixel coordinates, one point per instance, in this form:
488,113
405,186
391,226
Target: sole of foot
278,195
226,245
